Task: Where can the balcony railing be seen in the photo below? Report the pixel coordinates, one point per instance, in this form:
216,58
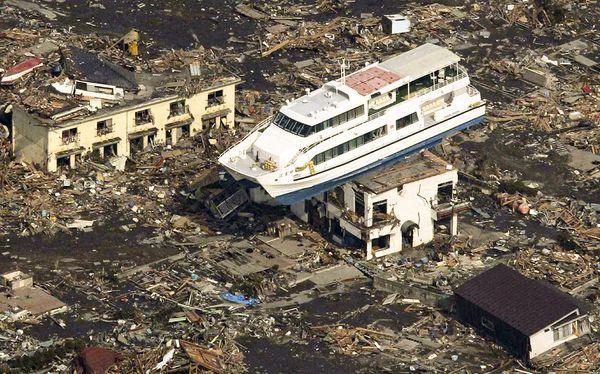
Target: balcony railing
104,130
70,140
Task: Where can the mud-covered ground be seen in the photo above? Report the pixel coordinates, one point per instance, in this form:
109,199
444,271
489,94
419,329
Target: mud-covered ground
167,25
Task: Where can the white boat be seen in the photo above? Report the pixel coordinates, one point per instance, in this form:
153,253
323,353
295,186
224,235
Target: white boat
373,117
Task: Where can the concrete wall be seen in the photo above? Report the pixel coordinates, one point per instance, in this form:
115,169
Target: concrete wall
30,143
41,144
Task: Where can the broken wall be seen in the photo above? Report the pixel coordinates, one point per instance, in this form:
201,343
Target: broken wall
29,138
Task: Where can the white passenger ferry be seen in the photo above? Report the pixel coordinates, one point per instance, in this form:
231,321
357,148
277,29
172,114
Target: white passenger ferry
375,116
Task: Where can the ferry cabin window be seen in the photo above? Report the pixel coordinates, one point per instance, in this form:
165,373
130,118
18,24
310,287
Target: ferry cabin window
406,121
291,125
349,145
301,129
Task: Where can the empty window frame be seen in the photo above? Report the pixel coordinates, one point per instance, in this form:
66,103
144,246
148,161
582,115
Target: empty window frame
406,121
349,145
177,108
359,203
381,243
69,136
104,127
216,98
142,117
380,207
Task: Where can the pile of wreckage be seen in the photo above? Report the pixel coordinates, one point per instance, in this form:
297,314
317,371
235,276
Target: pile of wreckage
253,275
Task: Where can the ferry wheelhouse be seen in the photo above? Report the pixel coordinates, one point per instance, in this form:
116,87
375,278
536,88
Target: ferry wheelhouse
373,117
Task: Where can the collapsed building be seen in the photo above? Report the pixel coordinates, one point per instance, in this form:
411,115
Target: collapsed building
86,104
389,209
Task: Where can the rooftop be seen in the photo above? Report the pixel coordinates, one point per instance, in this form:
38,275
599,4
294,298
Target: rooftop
336,97
416,167
526,304
420,61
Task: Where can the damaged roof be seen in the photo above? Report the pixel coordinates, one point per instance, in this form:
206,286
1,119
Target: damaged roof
72,70
92,67
416,167
526,304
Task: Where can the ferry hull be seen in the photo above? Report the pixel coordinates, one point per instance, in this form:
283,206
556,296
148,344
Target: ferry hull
306,193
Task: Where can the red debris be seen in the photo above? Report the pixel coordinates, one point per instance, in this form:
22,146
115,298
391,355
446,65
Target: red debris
16,72
96,360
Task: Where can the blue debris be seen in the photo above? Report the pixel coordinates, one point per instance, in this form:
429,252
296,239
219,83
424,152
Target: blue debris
239,299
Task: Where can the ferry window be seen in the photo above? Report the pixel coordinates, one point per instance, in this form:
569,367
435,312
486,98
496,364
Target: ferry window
328,154
421,83
406,120
335,121
450,71
296,127
349,145
343,118
360,110
320,127
306,130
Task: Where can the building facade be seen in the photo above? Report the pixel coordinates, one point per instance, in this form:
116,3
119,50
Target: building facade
120,130
390,209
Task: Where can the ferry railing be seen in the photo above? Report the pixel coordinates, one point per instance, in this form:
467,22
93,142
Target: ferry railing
462,73
260,125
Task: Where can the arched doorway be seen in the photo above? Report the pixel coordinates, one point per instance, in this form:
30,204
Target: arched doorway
408,230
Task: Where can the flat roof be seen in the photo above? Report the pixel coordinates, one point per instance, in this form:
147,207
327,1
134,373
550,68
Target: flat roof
416,167
526,304
370,80
422,60
318,105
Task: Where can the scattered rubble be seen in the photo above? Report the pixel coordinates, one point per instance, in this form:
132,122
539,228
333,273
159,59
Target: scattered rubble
154,266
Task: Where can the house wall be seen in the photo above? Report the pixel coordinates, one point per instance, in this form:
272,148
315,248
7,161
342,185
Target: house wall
414,202
543,340
513,340
41,144
30,143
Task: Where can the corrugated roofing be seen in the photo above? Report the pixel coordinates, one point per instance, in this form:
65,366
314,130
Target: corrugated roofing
420,61
526,304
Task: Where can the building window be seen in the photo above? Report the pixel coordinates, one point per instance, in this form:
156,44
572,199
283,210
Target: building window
380,207
487,323
359,203
216,98
104,127
444,193
177,108
381,243
406,121
349,145
69,136
143,117
563,332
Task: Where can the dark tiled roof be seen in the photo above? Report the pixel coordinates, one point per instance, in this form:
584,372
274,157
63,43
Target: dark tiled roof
527,305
